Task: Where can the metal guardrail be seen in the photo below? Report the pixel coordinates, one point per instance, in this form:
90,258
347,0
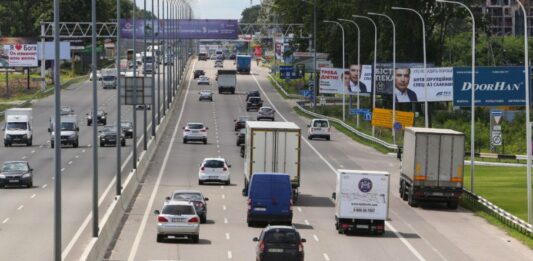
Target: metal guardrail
504,216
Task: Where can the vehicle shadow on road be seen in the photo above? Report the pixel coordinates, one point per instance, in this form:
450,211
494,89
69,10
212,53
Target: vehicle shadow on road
305,200
387,234
432,206
209,222
302,226
202,241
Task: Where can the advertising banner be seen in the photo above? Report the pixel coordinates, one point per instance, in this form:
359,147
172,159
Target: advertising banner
18,52
46,51
182,29
360,80
384,75
383,118
410,84
494,86
331,80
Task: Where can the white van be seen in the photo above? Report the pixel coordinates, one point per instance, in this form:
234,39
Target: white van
319,128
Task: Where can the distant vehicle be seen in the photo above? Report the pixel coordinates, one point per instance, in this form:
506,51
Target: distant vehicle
214,170
127,128
244,63
205,95
16,173
100,117
280,243
195,132
232,56
219,54
219,64
254,93
241,122
66,110
109,78
108,136
98,75
240,136
141,107
319,128
265,113
227,81
18,126
202,57
194,196
197,73
178,218
269,199
202,79
169,59
69,131
432,166
254,102
361,201
148,61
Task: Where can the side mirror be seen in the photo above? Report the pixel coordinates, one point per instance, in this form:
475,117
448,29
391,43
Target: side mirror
167,198
156,212
229,166
308,125
49,129
334,195
206,199
77,128
303,240
255,239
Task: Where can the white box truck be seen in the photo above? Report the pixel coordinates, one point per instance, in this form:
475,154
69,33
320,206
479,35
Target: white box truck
227,81
18,126
109,78
361,201
432,166
273,147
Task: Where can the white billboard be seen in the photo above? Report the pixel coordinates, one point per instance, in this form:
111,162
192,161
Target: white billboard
331,80
410,85
48,51
21,55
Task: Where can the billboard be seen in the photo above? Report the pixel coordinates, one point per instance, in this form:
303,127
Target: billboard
360,80
494,86
383,118
410,84
18,52
384,75
48,51
182,29
331,80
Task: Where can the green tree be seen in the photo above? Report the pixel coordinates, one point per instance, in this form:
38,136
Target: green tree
250,14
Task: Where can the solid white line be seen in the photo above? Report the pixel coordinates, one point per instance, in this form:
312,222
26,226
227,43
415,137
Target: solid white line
404,241
5,220
140,232
227,236
326,257
316,238
230,256
225,221
44,186
34,195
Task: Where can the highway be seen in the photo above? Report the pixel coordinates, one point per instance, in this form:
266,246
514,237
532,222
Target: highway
428,233
26,215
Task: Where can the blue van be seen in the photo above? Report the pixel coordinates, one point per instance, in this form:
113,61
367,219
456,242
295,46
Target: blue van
269,199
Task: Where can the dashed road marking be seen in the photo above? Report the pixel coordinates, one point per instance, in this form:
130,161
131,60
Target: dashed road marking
44,186
5,220
77,156
70,162
24,157
20,207
230,256
223,207
32,196
223,196
33,151
299,209
83,150
306,222
326,257
227,236
63,169
316,238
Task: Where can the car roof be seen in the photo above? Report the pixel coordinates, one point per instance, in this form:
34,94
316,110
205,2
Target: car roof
280,227
178,202
15,161
190,123
187,191
221,159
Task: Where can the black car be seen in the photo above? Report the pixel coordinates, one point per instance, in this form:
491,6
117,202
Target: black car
240,136
252,94
100,117
16,173
197,73
232,56
280,243
194,196
254,103
127,129
108,136
242,150
241,122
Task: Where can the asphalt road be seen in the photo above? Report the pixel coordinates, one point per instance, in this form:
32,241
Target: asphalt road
26,215
428,233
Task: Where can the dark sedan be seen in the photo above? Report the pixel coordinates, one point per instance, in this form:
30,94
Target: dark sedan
108,136
101,118
127,129
240,136
16,173
197,73
241,122
194,196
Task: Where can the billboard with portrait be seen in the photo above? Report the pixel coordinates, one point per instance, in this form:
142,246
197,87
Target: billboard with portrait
360,80
410,85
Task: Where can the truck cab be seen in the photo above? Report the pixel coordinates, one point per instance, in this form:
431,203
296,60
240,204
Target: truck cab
69,131
18,127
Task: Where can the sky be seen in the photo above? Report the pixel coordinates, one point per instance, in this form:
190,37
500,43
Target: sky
212,9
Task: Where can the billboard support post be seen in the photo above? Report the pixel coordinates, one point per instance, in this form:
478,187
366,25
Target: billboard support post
343,70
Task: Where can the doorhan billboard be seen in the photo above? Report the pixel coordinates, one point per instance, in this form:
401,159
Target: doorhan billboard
494,86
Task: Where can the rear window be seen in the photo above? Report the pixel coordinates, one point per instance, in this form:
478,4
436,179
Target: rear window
187,196
196,126
178,210
281,236
266,109
321,124
214,164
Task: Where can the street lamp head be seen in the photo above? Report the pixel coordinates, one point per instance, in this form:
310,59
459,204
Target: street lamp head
327,21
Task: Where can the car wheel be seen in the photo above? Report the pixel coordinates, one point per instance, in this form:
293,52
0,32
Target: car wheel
52,144
6,144
200,182
88,123
102,144
184,141
75,145
328,138
30,142
452,204
123,143
203,219
195,238
104,123
411,200
160,238
309,137
205,141
228,182
30,185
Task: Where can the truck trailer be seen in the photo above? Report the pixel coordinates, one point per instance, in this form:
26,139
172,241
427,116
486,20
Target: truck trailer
227,81
361,201
244,63
272,147
432,166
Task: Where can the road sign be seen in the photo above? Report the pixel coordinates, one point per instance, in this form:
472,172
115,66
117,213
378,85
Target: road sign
383,118
322,100
496,138
397,126
285,72
368,116
496,127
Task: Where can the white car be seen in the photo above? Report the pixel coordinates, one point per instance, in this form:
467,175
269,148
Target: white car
203,80
219,64
319,128
98,75
178,218
214,170
195,132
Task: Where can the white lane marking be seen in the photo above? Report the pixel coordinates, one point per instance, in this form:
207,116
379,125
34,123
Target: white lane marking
63,169
24,157
230,256
89,145
70,162
404,241
83,150
221,187
307,222
34,195
225,221
20,207
41,146
77,156
316,238
223,207
33,151
223,196
45,185
299,209
140,232
5,220
227,236
326,257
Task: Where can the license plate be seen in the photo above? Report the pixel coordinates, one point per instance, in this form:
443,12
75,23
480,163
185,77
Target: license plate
317,129
361,226
178,219
437,194
275,250
213,177
194,131
260,209
14,181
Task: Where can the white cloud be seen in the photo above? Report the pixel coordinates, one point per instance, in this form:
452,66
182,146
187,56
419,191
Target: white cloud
220,9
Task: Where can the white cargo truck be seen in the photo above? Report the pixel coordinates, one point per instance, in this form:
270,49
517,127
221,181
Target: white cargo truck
273,147
109,78
18,126
361,201
227,81
432,166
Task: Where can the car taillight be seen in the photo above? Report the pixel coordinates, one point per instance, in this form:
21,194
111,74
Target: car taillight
300,247
225,169
202,168
203,130
186,130
249,204
261,246
162,219
194,220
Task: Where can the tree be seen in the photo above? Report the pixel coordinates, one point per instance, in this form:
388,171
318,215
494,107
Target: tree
250,14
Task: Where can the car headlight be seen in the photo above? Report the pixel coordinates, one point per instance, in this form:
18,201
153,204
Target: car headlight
73,136
89,117
8,136
2,176
25,136
103,117
27,175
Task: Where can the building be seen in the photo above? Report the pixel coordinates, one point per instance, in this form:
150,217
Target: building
506,17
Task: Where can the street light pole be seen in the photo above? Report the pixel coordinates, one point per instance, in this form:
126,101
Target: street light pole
57,138
426,109
94,122
155,65
134,111
343,70
375,61
118,187
393,72
473,99
145,116
358,60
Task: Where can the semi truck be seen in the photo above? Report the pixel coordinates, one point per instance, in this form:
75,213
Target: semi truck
18,126
244,63
361,201
272,147
432,166
226,81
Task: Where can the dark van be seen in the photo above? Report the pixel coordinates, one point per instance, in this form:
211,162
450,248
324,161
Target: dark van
202,57
269,199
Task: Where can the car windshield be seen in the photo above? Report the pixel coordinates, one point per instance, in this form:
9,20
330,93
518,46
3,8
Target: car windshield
266,110
109,78
320,124
17,126
178,210
187,196
15,167
254,99
282,236
205,92
214,164
243,119
109,129
68,126
66,109
100,113
196,126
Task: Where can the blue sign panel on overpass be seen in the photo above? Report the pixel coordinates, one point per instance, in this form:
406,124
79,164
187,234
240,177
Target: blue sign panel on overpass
183,29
